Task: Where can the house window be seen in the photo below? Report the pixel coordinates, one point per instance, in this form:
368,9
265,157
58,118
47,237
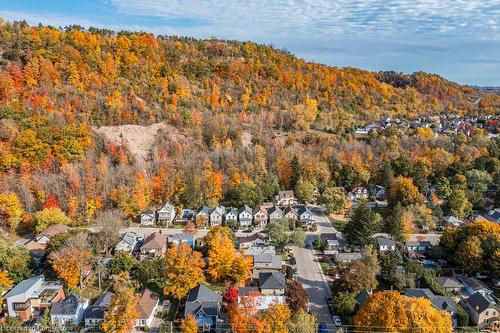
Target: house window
487,313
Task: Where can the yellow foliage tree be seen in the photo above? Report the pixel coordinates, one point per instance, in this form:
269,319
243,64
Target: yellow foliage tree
11,210
403,190
183,270
5,284
189,324
122,311
391,312
278,316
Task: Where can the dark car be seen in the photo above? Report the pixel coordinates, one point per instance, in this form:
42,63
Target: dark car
322,328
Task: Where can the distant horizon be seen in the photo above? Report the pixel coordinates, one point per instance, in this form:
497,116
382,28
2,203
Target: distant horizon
458,40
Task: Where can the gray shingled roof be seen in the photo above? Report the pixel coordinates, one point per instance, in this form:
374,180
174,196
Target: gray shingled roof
203,299
478,302
274,260
273,280
100,306
67,306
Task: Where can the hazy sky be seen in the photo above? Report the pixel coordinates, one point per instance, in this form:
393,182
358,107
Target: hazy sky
459,39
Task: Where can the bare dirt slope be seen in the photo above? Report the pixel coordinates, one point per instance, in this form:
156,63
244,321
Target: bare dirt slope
138,139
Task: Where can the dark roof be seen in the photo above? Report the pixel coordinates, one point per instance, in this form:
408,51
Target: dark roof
68,306
478,302
473,283
100,306
362,296
274,209
289,209
302,209
203,299
272,280
384,241
419,292
245,208
205,209
245,291
449,282
251,238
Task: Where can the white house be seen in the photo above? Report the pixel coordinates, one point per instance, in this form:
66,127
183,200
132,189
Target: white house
291,213
260,216
275,214
94,314
148,217
358,193
285,198
146,309
69,310
127,243
231,217
245,216
166,214
272,283
216,215
305,215
386,244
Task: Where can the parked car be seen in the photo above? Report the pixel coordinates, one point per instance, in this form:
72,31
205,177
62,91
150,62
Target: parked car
322,328
336,321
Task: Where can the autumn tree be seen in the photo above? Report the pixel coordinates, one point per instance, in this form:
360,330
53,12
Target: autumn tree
390,311
244,317
189,324
15,261
344,303
11,210
5,284
48,217
357,277
119,318
277,317
304,190
403,190
333,198
72,259
183,270
295,295
302,322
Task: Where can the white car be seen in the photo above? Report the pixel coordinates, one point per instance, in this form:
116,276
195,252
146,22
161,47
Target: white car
336,321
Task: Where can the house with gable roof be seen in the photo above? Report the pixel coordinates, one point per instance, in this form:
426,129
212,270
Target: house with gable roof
205,305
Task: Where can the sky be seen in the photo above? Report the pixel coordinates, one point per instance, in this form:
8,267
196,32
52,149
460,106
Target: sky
458,39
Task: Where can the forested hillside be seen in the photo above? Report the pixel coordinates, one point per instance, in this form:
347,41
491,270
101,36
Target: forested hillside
248,120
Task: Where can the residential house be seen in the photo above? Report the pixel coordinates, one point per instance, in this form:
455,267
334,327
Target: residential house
453,221
253,240
450,283
232,217
482,310
347,257
29,296
154,245
380,193
166,214
45,236
94,314
148,217
305,215
358,193
285,198
272,283
421,243
265,263
185,216
205,305
361,298
473,285
202,216
290,213
260,216
262,302
260,250
146,309
38,245
127,243
386,244
439,302
275,214
334,242
69,311
184,238
216,215
245,216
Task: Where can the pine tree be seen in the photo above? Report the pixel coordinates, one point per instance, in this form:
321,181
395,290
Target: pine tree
362,224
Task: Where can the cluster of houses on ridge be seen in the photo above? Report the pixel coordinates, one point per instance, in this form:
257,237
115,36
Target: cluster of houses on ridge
439,124
284,205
